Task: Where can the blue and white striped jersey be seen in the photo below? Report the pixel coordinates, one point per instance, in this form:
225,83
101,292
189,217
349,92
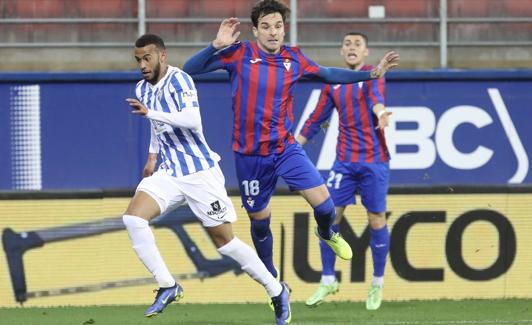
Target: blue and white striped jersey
175,119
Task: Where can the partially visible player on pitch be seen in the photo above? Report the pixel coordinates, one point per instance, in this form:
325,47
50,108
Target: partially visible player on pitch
189,173
361,162
263,76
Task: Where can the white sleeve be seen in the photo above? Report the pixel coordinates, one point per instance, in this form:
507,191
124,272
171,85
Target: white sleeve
188,118
154,144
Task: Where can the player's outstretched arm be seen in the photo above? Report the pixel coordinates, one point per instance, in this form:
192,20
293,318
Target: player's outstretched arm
346,76
389,60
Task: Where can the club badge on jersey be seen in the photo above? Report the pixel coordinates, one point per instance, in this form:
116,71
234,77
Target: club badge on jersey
287,64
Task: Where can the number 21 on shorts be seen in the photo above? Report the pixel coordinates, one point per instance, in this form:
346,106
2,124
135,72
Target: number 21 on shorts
251,187
334,180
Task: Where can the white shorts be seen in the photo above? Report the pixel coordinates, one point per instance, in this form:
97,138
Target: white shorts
204,192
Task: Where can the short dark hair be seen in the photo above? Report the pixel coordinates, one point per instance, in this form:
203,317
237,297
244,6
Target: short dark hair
364,36
148,39
266,7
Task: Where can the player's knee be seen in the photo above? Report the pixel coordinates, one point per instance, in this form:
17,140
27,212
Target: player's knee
376,220
134,221
260,227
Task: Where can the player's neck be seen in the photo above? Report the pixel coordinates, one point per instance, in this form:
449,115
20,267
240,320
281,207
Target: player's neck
356,66
266,50
164,70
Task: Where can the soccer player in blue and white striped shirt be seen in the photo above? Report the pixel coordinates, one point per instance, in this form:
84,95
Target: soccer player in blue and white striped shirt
189,173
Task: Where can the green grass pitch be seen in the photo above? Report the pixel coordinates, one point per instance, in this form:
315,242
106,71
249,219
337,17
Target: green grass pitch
464,312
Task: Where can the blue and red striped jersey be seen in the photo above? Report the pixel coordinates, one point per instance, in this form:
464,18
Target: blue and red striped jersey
358,140
262,87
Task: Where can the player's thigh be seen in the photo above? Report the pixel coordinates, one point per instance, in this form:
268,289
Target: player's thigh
256,180
144,206
162,189
374,182
207,197
341,183
296,169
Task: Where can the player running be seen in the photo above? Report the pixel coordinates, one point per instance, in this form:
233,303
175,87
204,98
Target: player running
263,76
189,173
361,162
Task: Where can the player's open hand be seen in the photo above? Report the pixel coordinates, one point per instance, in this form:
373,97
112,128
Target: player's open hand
389,61
137,106
384,120
227,33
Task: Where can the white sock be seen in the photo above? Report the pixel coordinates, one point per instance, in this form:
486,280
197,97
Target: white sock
143,243
252,265
328,279
378,281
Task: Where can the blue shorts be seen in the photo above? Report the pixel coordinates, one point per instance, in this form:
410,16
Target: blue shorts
370,180
257,175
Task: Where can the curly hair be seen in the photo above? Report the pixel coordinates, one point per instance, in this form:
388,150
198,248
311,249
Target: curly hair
148,39
266,7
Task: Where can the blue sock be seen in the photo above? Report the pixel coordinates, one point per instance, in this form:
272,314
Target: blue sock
328,257
325,215
261,235
380,245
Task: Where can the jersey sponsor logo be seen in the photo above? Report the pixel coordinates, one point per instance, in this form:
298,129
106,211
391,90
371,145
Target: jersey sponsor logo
189,94
189,97
255,60
217,210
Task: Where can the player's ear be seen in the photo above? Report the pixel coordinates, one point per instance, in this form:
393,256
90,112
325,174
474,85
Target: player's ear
163,55
255,31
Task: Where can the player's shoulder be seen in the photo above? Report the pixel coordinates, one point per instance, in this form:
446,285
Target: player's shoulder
291,49
140,83
179,79
139,87
236,46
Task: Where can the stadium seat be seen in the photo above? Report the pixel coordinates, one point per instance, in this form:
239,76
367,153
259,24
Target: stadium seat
412,8
518,8
40,9
8,9
106,9
467,8
167,8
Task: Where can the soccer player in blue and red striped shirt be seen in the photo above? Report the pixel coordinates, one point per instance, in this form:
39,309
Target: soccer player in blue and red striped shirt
263,76
361,162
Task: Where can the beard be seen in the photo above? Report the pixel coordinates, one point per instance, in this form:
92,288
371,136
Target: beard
156,72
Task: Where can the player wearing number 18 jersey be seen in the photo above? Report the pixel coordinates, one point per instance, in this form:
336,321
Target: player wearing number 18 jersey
263,76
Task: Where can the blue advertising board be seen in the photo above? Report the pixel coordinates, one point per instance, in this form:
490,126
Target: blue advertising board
74,130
